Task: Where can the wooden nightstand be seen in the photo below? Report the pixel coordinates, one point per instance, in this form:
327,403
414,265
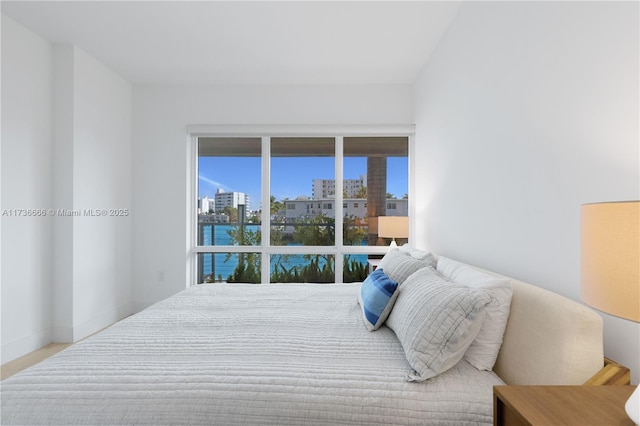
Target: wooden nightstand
561,405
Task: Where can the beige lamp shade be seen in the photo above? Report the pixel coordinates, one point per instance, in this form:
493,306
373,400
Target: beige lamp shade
610,264
393,226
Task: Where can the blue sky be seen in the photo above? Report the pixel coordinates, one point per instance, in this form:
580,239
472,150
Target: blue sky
290,176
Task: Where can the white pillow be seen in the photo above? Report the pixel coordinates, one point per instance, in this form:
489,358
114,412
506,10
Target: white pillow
399,265
483,352
418,254
435,322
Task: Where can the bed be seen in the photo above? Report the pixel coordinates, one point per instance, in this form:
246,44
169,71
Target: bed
290,354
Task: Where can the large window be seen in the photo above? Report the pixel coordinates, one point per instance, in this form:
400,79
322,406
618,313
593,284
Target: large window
294,209
376,183
229,176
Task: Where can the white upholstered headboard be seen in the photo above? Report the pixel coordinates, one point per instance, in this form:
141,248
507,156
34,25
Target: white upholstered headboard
549,339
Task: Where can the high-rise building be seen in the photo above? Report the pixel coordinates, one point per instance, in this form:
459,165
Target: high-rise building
231,199
326,188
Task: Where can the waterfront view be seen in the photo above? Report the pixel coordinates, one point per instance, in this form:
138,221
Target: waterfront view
219,267
305,206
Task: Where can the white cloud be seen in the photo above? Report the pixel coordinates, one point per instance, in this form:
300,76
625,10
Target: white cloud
213,183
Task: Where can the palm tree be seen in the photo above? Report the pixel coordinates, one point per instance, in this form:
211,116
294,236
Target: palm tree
361,192
276,206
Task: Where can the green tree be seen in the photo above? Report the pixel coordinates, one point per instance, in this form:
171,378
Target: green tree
361,192
354,271
248,268
317,268
232,212
352,235
253,218
316,231
242,236
276,206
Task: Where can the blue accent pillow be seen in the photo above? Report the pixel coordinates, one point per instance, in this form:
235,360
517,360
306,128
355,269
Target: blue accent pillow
377,295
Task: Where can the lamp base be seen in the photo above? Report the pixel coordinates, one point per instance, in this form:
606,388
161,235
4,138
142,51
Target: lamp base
393,244
632,407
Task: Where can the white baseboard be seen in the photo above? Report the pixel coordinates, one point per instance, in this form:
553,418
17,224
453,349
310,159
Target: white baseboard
22,346
19,347
87,328
62,334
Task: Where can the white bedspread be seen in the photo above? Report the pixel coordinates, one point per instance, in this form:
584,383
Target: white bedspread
239,355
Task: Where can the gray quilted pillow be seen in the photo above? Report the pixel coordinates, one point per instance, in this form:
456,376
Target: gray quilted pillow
399,265
436,321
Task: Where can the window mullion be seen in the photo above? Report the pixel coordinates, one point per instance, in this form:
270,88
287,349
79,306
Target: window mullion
192,212
411,208
266,211
339,210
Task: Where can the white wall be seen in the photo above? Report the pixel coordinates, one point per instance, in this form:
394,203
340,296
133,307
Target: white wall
93,133
63,65
526,111
66,143
160,154
26,184
102,164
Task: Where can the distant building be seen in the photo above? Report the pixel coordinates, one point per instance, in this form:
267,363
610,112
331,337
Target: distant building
231,199
205,205
356,207
326,188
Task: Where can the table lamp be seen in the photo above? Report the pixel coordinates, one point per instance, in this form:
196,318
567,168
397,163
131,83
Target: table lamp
610,266
393,227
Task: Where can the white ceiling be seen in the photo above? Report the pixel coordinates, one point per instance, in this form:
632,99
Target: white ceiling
243,42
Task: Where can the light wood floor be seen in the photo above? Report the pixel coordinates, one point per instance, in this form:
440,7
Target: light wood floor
19,364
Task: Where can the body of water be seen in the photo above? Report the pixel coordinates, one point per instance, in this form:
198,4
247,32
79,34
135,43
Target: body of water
225,268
